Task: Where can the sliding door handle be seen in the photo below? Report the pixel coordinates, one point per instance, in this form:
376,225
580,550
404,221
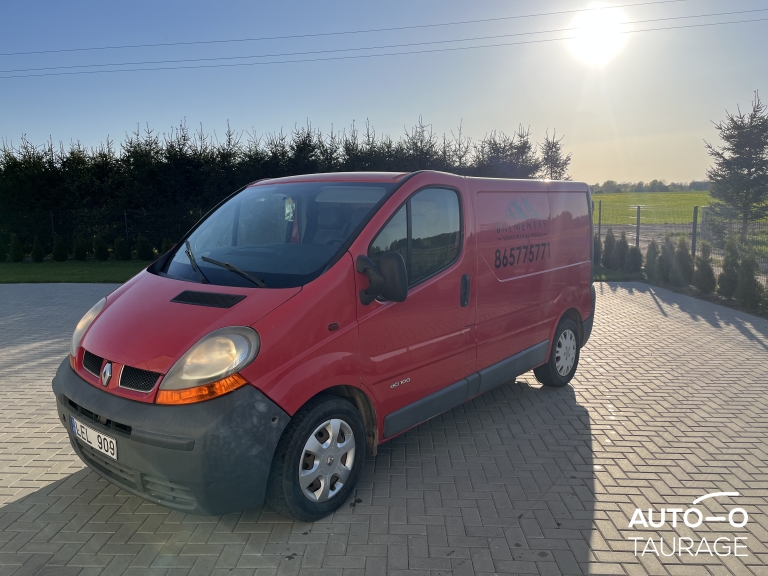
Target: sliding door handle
465,290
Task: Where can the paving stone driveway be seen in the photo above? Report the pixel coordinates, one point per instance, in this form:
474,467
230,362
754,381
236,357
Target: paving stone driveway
669,404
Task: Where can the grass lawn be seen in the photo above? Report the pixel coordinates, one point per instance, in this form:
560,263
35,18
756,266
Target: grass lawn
656,207
70,271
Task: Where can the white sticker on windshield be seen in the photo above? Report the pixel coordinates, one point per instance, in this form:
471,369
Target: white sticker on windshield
289,209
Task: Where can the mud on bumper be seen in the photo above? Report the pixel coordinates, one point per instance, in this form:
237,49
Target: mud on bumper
207,458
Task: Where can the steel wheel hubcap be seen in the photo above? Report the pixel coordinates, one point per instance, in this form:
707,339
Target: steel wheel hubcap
565,352
327,460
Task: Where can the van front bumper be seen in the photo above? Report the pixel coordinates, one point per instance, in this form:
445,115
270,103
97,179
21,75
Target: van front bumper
207,458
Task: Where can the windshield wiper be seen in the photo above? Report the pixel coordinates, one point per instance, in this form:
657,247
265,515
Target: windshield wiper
192,261
258,281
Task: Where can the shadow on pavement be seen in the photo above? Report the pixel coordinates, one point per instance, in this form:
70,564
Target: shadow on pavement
504,483
752,327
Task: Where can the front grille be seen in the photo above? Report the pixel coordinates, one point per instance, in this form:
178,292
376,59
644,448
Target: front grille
92,363
139,380
88,415
169,492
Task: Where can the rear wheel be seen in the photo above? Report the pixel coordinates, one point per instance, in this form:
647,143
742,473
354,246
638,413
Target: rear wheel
317,460
563,358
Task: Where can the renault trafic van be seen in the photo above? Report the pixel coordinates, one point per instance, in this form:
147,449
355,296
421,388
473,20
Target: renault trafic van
306,320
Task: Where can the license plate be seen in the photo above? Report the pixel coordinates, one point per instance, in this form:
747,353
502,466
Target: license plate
96,440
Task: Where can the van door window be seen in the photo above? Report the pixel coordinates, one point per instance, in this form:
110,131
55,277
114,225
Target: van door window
393,237
435,232
426,230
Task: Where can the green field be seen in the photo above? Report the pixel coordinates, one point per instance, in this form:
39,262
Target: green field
70,271
656,207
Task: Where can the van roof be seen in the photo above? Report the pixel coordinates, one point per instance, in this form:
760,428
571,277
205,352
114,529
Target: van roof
341,177
514,183
525,185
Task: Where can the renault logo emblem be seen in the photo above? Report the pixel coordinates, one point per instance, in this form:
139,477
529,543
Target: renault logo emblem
106,374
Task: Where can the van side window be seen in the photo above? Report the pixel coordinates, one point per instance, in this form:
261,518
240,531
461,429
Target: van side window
394,237
426,230
435,232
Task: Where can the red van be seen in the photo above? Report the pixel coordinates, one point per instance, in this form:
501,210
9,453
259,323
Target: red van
306,320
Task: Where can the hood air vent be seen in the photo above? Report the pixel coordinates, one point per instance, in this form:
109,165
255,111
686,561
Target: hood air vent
211,299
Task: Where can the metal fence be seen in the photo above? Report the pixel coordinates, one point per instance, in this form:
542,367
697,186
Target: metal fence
645,223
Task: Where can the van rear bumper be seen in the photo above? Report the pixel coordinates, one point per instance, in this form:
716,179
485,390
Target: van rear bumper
586,325
207,458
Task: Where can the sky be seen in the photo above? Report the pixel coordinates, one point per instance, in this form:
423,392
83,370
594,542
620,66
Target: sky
643,114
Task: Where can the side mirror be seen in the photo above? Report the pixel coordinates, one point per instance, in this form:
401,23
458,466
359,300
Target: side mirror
389,279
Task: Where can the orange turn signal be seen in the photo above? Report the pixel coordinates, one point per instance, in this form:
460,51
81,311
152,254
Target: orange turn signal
201,393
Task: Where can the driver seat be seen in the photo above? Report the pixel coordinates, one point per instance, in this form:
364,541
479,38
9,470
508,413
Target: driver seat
330,226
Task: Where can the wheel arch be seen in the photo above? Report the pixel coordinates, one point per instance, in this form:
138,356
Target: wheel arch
364,406
574,315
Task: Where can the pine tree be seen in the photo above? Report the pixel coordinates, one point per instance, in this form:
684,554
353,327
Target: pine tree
608,246
704,276
619,253
749,291
59,249
144,249
80,250
100,249
728,279
651,260
633,261
38,253
3,251
167,245
681,273
121,250
665,261
16,251
554,163
739,176
764,303
598,248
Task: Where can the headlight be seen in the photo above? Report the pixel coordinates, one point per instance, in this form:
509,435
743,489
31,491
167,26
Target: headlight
210,367
83,325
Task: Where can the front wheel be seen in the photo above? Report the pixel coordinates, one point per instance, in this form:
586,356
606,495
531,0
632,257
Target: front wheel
563,358
318,459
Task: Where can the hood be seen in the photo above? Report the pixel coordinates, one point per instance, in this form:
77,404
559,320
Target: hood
141,327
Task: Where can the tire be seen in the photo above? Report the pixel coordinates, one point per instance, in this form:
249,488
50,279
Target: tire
563,358
310,475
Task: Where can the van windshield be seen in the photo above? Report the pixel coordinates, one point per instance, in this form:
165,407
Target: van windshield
283,234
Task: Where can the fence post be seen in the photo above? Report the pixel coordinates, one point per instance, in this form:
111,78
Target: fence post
125,215
695,226
637,231
53,228
599,217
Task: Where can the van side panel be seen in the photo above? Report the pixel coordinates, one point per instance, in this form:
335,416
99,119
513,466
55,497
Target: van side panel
571,275
514,254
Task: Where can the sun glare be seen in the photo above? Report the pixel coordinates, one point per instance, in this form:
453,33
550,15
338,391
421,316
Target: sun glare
599,34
